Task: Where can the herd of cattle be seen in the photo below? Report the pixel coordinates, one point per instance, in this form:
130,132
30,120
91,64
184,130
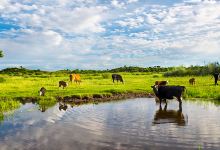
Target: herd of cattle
161,90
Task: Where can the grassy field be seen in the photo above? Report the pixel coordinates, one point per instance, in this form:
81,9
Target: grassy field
28,86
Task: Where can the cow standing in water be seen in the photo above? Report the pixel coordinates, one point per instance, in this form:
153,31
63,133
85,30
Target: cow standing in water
169,92
75,78
117,77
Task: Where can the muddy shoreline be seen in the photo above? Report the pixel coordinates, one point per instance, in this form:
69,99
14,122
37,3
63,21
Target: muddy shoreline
76,99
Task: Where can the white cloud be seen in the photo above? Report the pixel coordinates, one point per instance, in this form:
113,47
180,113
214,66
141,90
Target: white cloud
132,1
97,33
117,4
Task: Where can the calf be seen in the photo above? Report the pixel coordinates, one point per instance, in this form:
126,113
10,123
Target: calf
169,92
42,91
161,82
192,81
117,77
63,84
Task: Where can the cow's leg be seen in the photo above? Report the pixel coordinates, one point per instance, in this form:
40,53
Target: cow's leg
160,101
165,107
165,101
160,108
180,103
113,80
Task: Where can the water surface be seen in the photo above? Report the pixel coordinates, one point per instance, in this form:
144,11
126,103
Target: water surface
128,124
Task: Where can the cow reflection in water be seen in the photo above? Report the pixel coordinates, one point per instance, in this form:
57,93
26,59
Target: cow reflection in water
62,106
163,116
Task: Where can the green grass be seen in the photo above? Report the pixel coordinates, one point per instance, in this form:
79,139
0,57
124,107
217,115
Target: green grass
92,84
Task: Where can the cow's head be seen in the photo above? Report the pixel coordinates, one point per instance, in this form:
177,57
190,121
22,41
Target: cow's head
155,89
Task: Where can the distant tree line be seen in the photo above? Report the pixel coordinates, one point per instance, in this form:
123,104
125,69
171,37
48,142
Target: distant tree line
194,70
167,71
23,71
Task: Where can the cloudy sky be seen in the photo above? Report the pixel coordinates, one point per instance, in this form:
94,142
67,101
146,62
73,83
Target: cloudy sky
101,34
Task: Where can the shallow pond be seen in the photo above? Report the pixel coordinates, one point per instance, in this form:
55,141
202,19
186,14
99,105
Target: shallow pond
128,124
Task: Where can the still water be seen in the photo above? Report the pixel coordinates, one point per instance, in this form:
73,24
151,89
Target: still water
128,124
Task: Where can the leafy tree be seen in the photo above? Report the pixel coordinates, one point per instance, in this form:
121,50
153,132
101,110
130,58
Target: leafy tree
1,54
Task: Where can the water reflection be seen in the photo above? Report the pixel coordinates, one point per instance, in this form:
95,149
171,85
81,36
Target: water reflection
114,125
62,106
169,116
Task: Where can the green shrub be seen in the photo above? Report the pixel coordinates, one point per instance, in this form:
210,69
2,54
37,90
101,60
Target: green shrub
106,76
155,76
2,80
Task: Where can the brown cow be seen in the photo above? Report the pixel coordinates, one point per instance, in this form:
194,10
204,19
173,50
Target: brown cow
161,82
75,78
192,81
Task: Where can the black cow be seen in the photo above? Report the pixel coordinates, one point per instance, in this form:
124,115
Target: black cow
216,77
117,77
169,92
42,91
63,84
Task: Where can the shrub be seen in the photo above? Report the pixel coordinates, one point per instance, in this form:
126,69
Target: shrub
106,76
155,76
2,80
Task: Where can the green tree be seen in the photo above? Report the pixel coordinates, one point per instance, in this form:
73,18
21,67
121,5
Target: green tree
1,54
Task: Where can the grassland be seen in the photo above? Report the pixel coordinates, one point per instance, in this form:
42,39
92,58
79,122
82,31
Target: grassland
101,84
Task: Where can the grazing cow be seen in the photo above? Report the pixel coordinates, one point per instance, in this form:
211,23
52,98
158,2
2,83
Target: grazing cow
192,81
216,77
117,77
63,84
161,82
75,78
169,116
169,92
42,91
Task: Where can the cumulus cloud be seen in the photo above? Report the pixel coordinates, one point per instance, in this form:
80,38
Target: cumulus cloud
90,33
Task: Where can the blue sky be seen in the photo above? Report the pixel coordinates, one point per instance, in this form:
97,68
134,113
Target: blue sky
102,34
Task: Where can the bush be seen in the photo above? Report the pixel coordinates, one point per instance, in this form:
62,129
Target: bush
2,80
155,76
106,76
